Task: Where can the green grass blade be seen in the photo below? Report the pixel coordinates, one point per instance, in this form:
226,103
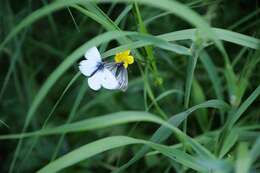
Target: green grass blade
255,151
213,74
243,159
163,133
192,61
187,34
197,97
244,106
230,141
96,147
244,19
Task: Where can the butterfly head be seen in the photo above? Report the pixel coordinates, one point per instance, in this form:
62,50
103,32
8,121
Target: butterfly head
124,58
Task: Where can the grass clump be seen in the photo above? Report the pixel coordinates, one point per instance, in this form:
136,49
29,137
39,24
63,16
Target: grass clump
192,103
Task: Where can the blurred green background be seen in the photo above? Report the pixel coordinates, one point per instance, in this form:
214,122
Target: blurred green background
183,74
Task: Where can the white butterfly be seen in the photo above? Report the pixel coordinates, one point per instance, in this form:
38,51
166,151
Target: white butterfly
95,69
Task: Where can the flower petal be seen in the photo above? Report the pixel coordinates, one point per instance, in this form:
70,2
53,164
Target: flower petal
130,60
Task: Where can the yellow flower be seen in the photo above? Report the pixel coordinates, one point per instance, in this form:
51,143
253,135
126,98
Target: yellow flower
125,58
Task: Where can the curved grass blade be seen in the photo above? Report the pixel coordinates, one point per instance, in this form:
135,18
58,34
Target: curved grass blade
91,124
189,34
163,133
117,118
99,146
234,117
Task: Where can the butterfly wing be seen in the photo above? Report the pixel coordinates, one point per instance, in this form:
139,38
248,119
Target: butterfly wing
93,54
120,73
93,59
87,67
109,81
122,78
95,81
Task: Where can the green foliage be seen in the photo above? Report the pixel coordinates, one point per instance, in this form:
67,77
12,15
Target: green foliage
192,104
